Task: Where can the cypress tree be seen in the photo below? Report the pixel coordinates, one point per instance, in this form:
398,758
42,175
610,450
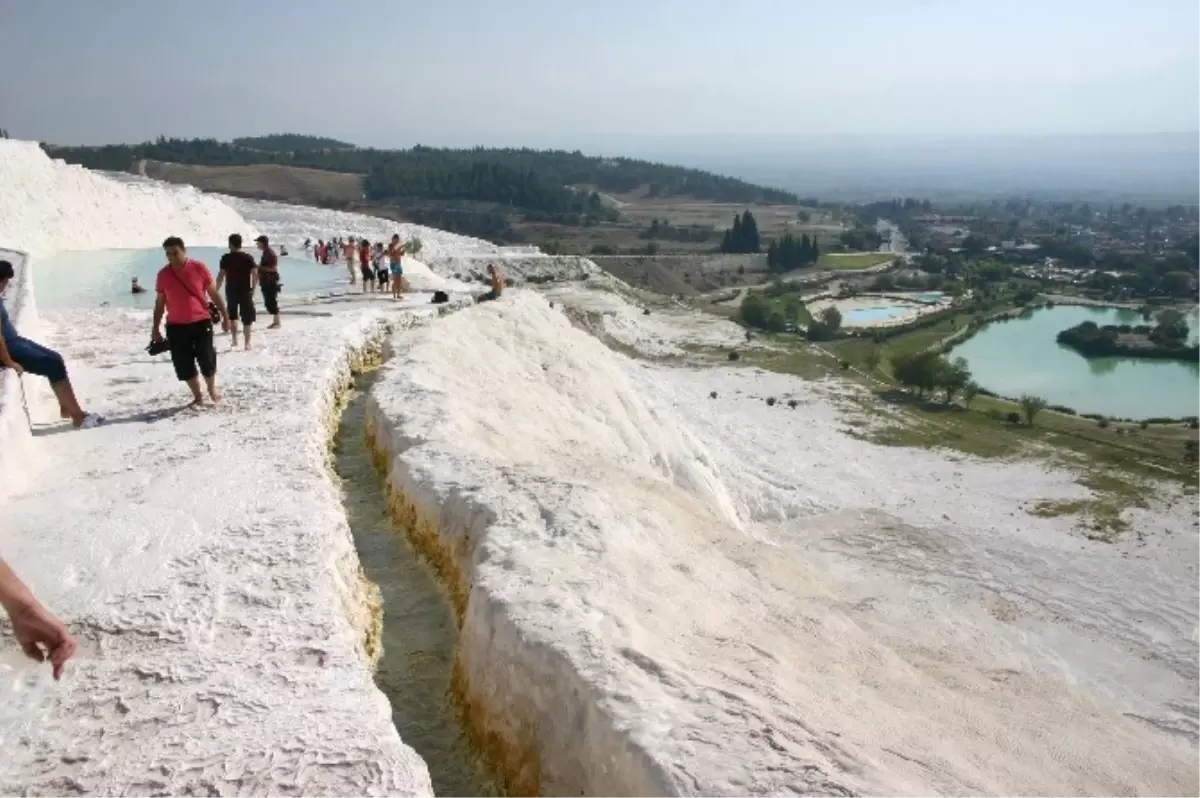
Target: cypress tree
750,239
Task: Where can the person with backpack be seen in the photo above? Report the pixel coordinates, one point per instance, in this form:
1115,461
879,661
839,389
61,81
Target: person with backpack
185,289
23,355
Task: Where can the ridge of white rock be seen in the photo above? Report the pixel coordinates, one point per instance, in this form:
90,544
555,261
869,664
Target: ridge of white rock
667,593
50,206
204,563
297,222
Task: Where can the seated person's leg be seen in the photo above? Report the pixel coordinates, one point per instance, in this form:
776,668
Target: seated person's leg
37,359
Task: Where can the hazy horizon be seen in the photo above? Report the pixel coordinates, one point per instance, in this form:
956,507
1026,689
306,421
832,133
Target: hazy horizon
787,90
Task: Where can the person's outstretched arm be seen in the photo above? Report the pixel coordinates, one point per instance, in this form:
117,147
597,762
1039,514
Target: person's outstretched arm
33,625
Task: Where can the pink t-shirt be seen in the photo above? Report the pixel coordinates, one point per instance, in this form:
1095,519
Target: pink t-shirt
186,291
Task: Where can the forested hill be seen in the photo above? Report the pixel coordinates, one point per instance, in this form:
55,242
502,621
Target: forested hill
548,180
290,142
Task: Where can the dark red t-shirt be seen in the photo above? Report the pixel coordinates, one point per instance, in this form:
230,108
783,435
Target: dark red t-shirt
268,267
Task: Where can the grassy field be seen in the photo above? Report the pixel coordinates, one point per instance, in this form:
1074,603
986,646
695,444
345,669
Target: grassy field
1122,463
832,261
266,181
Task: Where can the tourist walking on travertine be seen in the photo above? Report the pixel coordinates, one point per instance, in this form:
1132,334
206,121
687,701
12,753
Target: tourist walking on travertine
268,280
185,287
35,628
239,274
396,265
23,355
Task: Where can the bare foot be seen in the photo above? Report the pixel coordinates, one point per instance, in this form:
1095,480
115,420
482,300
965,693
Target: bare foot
273,326
197,403
214,395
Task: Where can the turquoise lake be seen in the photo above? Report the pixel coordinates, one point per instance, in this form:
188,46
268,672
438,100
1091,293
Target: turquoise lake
1022,356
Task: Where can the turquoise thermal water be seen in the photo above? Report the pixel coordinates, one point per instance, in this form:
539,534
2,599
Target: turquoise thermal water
1021,356
90,279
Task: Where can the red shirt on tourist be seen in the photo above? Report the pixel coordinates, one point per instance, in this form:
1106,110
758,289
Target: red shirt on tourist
186,291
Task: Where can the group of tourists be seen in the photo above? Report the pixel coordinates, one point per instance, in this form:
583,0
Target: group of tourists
191,303
379,267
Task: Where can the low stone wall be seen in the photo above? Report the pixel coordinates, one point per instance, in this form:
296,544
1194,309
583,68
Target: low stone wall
17,455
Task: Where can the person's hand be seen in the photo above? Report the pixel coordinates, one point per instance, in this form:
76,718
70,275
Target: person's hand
156,335
224,325
36,629
15,366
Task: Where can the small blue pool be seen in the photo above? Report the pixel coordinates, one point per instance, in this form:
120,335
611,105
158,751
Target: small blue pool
89,279
860,316
929,297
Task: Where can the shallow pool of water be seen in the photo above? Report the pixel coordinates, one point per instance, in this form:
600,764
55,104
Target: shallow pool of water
90,279
857,317
1022,356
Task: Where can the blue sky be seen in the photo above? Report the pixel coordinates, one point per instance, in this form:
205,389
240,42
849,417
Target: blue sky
595,75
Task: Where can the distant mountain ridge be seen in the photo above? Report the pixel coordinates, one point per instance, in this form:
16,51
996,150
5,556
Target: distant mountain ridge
550,181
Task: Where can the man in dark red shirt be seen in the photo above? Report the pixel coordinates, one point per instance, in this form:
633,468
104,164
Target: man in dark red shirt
239,274
268,279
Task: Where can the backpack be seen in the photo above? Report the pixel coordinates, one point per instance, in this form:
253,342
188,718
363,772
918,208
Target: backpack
440,297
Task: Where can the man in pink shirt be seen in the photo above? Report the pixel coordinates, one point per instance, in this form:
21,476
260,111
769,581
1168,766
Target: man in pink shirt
185,287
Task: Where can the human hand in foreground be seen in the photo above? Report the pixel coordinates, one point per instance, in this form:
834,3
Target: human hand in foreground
39,633
15,366
156,335
224,325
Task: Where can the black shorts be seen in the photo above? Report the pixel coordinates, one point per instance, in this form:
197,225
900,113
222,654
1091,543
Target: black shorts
191,348
382,275
270,292
241,306
367,274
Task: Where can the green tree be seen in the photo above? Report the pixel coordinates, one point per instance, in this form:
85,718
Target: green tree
788,252
742,236
969,392
1030,406
953,376
974,245
750,241
917,371
1177,284
826,326
1172,326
